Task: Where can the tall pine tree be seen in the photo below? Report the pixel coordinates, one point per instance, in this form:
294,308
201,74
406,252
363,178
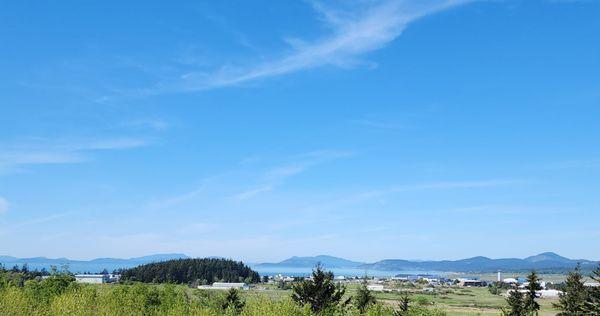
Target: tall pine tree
531,305
403,304
572,300
232,301
516,303
364,298
592,304
320,292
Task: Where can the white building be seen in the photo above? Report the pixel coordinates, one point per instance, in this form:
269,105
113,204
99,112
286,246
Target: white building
224,286
397,278
541,293
591,284
510,281
375,287
471,283
92,278
548,293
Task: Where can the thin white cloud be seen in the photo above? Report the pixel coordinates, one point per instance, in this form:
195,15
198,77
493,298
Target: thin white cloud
277,175
252,192
156,124
6,229
43,152
506,209
176,200
360,197
373,124
572,164
354,32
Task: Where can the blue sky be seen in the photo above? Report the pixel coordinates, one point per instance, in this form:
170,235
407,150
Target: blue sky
259,130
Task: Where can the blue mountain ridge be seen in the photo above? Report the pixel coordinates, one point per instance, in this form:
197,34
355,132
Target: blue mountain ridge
94,265
309,262
543,261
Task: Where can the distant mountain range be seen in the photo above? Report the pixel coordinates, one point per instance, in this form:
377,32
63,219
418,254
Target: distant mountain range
94,265
544,262
309,262
547,261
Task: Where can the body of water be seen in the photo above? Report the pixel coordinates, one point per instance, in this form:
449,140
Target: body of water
82,267
347,272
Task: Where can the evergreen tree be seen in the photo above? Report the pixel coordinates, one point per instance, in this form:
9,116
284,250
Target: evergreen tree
403,304
516,303
592,304
364,298
531,305
320,292
572,300
233,301
185,271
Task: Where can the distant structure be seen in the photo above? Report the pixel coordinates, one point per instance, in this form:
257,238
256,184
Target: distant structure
96,278
471,283
499,276
591,284
510,281
375,287
224,286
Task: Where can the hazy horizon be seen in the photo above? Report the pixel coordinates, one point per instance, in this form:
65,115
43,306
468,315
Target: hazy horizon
366,130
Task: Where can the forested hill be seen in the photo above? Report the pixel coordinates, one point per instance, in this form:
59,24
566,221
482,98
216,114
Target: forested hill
206,270
544,262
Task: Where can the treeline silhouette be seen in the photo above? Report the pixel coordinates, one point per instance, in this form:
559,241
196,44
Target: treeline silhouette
201,271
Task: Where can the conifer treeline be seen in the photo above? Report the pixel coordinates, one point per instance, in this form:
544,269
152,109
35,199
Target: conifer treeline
192,270
576,299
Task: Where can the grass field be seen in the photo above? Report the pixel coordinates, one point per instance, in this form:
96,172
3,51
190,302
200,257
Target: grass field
453,300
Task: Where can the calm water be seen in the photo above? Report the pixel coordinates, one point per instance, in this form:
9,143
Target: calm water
81,267
348,272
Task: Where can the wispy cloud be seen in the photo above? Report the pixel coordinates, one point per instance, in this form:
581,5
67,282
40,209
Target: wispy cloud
573,164
500,209
359,197
252,192
374,124
156,124
5,229
364,28
41,151
276,176
176,200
